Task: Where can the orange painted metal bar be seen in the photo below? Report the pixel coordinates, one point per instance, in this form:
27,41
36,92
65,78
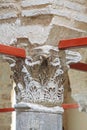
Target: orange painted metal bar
10,50
7,109
79,66
70,43
70,106
65,106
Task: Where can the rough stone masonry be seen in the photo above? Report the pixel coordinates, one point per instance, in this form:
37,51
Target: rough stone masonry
30,23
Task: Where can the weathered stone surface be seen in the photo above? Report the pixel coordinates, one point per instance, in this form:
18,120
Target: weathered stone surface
79,83
5,95
56,11
44,22
26,3
39,121
47,34
4,79
41,76
80,1
8,15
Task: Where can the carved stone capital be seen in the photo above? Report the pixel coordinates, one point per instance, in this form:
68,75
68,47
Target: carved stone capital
41,76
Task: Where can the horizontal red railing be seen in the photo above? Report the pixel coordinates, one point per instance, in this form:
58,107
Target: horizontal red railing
70,106
14,51
65,106
7,109
70,43
79,66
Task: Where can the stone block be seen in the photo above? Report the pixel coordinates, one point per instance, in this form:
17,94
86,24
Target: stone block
80,1
5,127
8,15
5,119
74,6
38,121
5,72
5,104
6,97
27,3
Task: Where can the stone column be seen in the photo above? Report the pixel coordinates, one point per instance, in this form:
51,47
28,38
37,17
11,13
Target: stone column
38,117
40,77
40,80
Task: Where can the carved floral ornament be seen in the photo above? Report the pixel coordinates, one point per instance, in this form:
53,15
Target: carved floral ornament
40,77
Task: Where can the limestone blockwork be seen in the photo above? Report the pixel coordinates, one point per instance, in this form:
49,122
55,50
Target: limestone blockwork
40,23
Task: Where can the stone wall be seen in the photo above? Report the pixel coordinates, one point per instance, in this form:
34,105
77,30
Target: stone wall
42,22
30,18
5,95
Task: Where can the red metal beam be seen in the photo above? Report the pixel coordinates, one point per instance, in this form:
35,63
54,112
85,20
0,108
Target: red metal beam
70,43
70,106
65,106
79,66
14,51
7,109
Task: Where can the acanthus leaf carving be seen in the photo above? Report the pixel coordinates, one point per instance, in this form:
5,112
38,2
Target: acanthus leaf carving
40,77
